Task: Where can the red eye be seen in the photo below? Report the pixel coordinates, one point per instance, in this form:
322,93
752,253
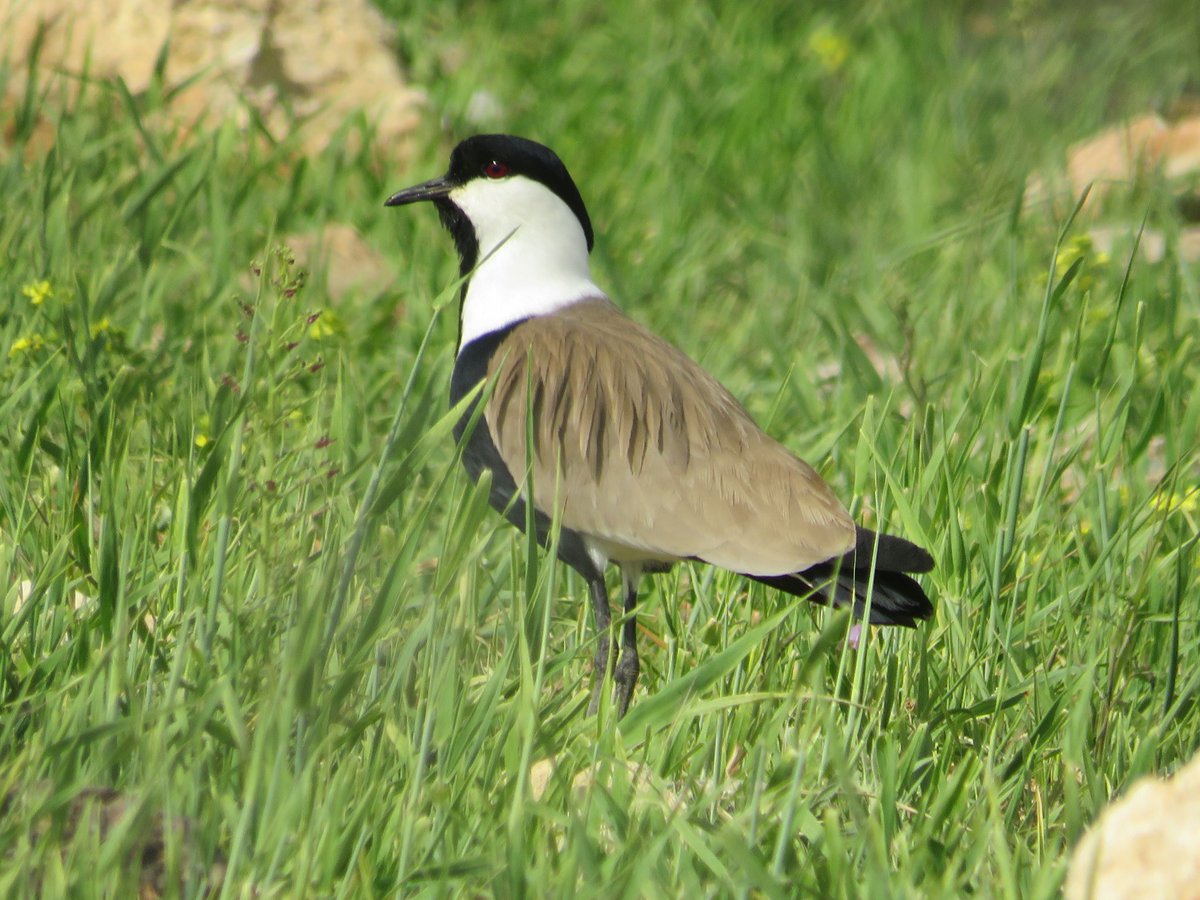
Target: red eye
495,169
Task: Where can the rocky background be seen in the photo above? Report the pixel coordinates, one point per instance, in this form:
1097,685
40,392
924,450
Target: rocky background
298,69
306,64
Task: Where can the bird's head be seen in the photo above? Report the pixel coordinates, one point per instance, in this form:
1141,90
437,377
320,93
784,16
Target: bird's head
501,189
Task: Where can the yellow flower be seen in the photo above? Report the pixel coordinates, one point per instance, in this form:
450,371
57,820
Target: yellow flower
1078,247
29,344
203,426
830,48
1081,247
38,292
1186,502
98,328
324,325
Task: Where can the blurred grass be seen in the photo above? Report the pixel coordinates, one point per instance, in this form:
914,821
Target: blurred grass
822,206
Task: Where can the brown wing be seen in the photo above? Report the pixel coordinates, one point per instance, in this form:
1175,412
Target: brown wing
645,451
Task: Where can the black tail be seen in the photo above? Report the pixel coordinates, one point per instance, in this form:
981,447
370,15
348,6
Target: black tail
896,598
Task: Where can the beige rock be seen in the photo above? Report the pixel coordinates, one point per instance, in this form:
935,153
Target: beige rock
1117,154
1153,246
1177,148
1189,243
1147,844
1111,239
340,256
307,64
1122,154
108,39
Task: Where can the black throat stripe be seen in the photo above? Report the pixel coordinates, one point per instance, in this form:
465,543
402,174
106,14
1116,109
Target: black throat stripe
456,222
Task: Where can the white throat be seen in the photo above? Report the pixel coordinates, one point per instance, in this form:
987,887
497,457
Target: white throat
533,256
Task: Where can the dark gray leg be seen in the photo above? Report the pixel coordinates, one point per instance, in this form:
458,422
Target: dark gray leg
603,622
628,666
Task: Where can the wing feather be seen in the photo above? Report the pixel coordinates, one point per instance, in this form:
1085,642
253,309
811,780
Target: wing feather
657,460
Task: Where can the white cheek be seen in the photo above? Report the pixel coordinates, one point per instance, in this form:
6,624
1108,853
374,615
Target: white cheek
533,256
499,208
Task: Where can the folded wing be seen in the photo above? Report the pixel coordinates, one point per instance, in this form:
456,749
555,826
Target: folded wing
637,446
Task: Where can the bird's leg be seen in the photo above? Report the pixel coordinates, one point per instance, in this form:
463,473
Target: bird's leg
626,673
603,621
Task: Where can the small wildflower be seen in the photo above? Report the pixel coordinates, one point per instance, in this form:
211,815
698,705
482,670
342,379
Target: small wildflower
323,443
854,638
202,429
1185,502
98,328
829,47
29,344
1081,247
324,324
317,366
38,292
1078,247
242,337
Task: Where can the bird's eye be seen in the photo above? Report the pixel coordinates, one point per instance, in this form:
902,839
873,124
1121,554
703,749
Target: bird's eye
495,169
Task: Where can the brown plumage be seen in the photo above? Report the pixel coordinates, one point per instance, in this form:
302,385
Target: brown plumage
649,454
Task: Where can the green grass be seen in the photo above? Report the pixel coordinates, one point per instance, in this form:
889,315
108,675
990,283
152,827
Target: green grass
301,627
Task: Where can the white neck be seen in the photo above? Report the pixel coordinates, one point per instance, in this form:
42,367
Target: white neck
533,256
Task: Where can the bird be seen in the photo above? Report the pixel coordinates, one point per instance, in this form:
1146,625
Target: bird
640,455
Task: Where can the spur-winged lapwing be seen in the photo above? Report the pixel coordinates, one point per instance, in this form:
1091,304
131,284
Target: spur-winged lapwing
642,455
